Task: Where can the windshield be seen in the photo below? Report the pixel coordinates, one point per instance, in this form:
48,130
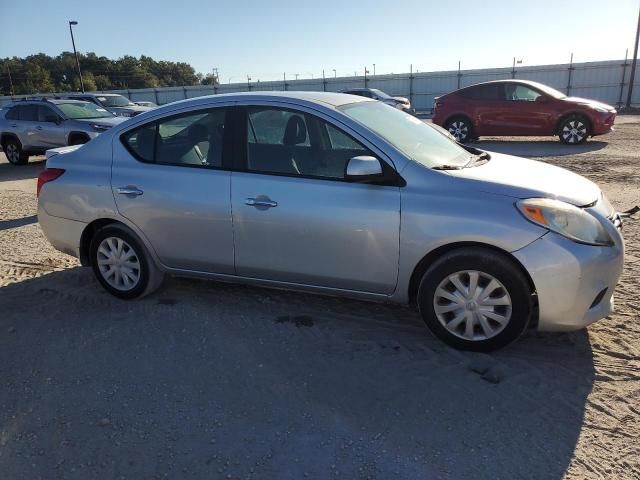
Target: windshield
411,136
380,93
114,101
83,110
552,92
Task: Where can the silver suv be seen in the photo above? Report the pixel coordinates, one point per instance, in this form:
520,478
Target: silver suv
29,127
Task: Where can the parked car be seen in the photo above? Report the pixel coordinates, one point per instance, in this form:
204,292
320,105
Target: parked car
520,107
401,103
309,190
146,104
30,127
118,104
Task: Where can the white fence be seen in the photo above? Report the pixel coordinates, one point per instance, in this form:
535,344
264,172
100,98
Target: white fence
606,81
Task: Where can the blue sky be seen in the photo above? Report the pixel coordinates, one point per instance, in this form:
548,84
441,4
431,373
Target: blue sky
266,38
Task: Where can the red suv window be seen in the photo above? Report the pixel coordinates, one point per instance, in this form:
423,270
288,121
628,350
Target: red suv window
484,92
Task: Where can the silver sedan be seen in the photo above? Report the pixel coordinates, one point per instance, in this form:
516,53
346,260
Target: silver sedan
339,195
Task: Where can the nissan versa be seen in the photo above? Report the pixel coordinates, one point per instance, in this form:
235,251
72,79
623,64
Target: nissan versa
342,195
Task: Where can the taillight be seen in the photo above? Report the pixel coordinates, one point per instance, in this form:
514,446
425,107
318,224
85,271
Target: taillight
48,175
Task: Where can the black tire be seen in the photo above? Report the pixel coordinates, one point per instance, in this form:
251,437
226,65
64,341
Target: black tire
491,264
574,130
78,140
13,151
150,277
461,128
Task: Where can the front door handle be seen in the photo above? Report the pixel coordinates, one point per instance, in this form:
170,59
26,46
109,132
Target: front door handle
260,202
130,190
38,127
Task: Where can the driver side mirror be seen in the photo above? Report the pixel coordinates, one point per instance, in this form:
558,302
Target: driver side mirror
363,168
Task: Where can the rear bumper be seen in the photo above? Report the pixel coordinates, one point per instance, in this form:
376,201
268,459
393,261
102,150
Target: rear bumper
574,282
62,233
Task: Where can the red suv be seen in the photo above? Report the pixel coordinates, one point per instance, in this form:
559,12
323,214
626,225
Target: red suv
520,107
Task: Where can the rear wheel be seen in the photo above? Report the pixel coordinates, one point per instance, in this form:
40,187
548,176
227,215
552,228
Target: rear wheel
13,151
475,299
461,128
574,130
122,264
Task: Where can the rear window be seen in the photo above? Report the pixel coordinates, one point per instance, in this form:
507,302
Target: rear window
484,92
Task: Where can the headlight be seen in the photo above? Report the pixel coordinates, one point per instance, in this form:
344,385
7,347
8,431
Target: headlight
101,128
565,219
600,109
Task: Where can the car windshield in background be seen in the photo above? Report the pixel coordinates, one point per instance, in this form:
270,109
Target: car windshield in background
380,93
552,92
410,135
83,111
115,101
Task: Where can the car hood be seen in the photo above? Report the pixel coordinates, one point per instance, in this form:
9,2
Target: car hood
589,103
104,121
522,178
401,99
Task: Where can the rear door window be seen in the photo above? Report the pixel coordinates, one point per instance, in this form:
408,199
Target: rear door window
190,139
490,92
29,113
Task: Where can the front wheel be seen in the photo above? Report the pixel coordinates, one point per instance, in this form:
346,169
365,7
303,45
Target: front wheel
461,128
574,130
121,263
475,299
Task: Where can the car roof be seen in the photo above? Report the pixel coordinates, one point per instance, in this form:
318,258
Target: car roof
326,98
54,101
57,101
70,95
507,80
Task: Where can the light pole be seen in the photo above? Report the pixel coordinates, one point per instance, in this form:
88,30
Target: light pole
73,42
334,73
374,69
633,64
513,68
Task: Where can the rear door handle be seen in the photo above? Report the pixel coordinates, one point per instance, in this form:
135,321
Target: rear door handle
38,127
130,190
13,125
254,202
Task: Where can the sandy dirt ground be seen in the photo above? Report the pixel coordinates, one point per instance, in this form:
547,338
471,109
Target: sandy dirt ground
207,380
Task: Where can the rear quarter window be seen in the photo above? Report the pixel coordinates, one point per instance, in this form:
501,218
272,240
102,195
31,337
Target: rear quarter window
13,113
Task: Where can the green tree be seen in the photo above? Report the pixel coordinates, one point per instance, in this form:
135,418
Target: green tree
40,73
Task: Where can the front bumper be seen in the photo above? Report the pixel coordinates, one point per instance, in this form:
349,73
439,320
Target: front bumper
574,282
603,123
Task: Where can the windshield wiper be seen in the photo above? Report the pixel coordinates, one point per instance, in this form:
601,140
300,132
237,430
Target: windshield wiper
448,167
